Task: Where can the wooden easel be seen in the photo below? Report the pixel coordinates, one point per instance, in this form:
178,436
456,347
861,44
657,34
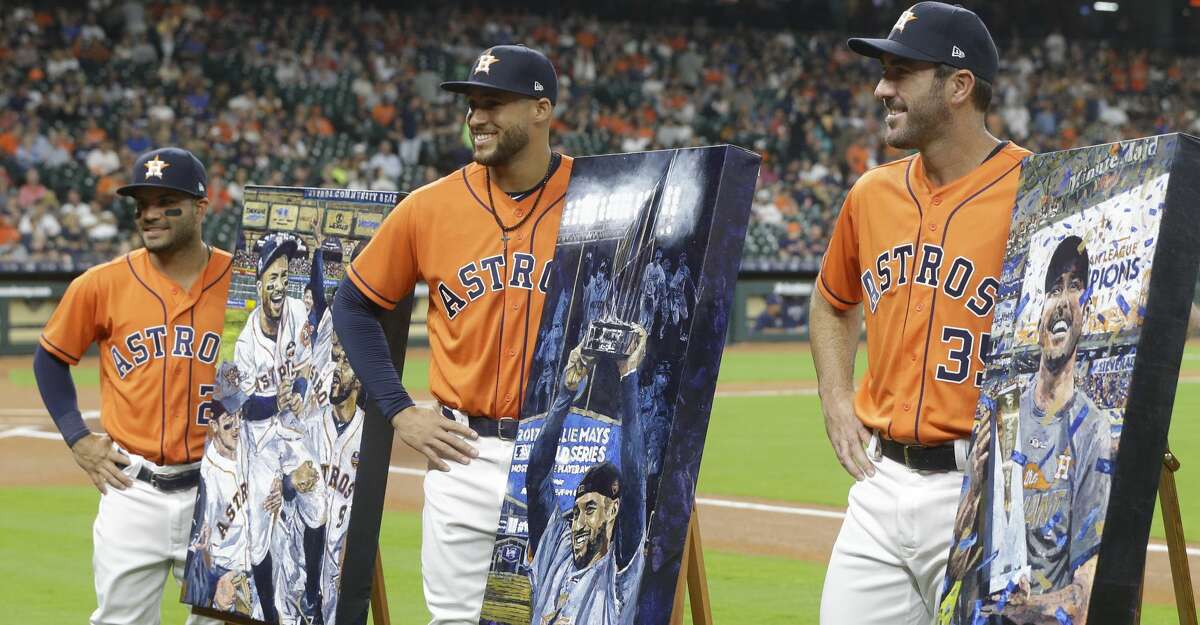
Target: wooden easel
379,606
1181,576
693,579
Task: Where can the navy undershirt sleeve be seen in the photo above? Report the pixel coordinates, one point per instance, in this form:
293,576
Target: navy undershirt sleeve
356,321
58,393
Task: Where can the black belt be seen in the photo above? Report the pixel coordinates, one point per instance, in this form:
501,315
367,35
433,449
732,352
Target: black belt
170,482
920,457
504,428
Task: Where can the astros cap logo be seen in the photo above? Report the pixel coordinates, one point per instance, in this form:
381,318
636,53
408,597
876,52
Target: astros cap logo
905,18
155,167
485,63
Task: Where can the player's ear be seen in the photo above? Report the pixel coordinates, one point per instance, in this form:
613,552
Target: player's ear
543,110
961,84
201,205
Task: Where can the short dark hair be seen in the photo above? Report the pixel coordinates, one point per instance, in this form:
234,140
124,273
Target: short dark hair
981,95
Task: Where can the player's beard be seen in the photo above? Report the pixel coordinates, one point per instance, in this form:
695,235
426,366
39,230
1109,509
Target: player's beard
583,557
342,389
509,142
921,118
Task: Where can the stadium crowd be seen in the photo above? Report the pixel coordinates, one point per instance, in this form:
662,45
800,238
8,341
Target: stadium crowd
349,98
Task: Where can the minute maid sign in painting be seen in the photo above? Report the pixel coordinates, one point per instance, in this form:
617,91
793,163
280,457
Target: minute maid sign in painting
285,455
603,476
1071,423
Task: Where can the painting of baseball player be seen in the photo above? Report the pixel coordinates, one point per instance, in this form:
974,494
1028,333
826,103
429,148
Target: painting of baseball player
219,575
678,301
1065,451
272,355
595,294
654,285
296,503
273,350
588,560
335,429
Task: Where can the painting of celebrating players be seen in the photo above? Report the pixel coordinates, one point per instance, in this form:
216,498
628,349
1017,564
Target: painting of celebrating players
287,416
617,402
1070,425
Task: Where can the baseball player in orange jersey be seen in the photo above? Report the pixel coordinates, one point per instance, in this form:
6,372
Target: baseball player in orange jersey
156,315
483,239
917,249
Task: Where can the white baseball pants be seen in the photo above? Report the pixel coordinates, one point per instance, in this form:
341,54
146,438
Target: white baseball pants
890,556
458,531
140,534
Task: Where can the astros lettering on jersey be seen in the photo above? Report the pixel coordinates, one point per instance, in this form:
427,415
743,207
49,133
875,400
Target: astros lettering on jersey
486,287
154,338
925,264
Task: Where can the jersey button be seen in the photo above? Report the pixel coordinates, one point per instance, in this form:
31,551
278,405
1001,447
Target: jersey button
937,200
512,352
516,306
907,406
913,358
508,398
920,307
932,227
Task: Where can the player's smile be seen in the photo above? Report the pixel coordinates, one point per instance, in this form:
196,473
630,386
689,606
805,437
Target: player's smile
1062,320
158,213
896,110
274,287
482,138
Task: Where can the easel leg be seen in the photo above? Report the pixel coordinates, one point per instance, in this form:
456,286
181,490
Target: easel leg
697,576
693,578
379,607
1181,576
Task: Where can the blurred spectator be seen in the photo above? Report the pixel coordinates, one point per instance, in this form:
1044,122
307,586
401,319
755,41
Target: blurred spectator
386,162
40,219
102,159
32,192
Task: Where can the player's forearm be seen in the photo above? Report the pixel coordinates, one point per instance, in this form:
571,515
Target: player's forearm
317,280
58,393
539,488
355,319
834,341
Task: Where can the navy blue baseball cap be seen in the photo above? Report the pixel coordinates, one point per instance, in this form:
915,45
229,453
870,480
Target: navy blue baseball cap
938,33
271,247
511,68
603,478
168,168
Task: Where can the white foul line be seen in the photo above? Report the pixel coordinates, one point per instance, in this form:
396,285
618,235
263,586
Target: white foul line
704,501
780,509
29,433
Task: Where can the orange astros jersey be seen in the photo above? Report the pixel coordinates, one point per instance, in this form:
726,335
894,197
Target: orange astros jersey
485,292
925,264
158,347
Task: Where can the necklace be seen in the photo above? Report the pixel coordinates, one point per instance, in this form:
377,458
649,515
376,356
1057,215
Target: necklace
541,186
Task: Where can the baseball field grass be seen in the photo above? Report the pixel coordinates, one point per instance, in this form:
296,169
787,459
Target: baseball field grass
761,444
